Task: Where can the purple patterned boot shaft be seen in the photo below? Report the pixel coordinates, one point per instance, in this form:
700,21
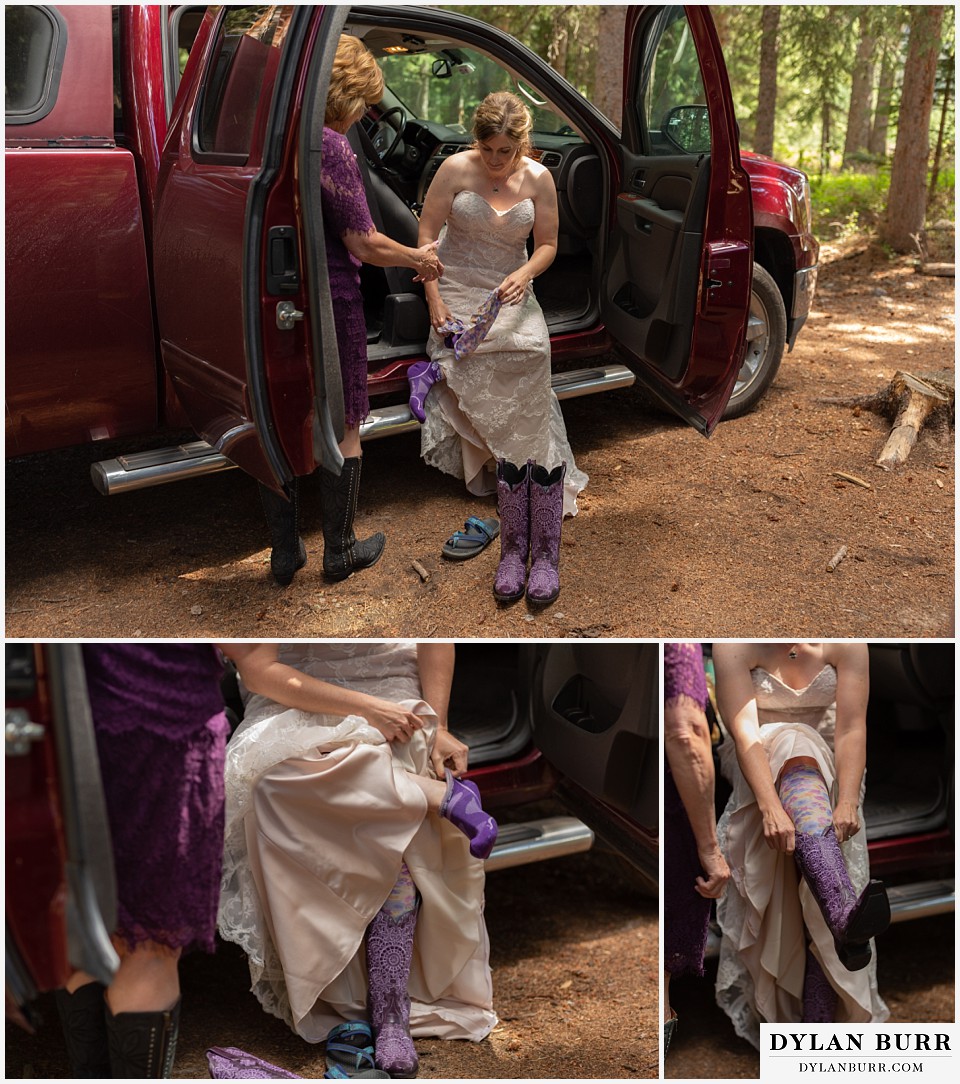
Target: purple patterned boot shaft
819,997
389,954
852,919
462,808
422,375
546,518
231,1063
513,507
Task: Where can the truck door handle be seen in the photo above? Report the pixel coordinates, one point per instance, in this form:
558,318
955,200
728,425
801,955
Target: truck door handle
287,315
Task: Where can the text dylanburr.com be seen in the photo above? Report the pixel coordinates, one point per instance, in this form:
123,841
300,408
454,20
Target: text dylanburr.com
807,1052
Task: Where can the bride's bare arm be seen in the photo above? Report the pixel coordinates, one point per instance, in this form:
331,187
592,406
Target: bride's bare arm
737,702
436,208
264,673
546,228
850,739
436,662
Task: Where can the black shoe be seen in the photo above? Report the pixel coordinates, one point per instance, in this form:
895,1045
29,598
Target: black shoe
342,553
83,1015
143,1044
283,519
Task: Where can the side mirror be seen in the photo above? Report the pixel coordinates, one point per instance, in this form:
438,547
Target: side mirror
687,127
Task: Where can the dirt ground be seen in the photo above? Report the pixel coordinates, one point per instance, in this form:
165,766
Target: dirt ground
677,536
574,951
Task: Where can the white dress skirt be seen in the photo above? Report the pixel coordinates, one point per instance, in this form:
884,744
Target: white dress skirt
321,813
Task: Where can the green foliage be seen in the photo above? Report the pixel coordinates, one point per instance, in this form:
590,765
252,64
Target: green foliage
847,204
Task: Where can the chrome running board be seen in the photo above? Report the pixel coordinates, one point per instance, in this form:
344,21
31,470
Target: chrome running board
144,469
534,841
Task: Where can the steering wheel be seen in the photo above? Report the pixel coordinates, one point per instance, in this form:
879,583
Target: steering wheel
382,131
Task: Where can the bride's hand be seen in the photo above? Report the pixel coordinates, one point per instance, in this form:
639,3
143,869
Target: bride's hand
394,722
448,752
846,822
778,830
513,287
439,313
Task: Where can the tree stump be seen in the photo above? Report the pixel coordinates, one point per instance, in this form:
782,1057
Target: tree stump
916,400
912,401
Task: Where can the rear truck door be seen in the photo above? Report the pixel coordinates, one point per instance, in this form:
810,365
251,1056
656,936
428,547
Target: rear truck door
677,283
595,714
246,324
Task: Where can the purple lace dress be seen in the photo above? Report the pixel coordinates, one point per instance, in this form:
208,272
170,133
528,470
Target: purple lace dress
686,914
161,735
345,210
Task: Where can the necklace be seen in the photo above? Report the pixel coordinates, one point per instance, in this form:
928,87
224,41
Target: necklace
792,653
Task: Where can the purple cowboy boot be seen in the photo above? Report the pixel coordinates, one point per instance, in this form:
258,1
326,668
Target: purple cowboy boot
389,954
513,507
852,919
422,376
462,808
819,997
546,518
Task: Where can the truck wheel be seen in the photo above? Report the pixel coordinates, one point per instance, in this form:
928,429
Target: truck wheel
766,338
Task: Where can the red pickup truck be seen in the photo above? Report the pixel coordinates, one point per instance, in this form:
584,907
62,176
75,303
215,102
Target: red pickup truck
161,173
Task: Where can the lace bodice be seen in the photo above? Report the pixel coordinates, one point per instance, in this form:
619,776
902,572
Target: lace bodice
815,704
481,246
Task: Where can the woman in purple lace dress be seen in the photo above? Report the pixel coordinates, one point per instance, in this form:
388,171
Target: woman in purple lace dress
161,734
351,239
695,872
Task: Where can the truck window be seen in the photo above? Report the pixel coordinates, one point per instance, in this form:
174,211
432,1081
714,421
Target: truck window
36,41
672,99
241,77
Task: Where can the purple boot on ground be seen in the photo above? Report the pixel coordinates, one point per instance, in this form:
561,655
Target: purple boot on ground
546,519
389,954
462,808
513,507
852,919
422,375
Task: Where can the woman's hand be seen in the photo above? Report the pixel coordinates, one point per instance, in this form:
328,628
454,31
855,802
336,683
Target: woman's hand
846,822
716,873
429,266
439,312
394,722
513,287
448,752
778,829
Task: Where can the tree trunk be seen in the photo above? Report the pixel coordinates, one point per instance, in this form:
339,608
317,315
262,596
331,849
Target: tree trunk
608,85
557,50
938,152
881,114
861,85
767,90
907,200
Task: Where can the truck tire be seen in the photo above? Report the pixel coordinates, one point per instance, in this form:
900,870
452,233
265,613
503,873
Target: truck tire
766,338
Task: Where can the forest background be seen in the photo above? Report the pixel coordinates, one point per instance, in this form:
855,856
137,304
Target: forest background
860,97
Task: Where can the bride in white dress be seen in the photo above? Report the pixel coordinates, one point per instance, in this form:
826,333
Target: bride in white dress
800,912
331,805
498,402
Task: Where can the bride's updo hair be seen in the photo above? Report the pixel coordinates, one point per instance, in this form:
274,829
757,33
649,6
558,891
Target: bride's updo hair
502,113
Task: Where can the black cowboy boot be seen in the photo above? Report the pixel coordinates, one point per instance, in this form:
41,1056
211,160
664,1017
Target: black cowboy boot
83,1016
283,519
143,1044
342,553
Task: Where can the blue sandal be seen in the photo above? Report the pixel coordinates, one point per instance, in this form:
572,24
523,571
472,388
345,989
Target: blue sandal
349,1052
476,536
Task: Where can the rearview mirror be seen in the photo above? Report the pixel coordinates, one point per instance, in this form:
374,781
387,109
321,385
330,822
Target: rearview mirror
441,68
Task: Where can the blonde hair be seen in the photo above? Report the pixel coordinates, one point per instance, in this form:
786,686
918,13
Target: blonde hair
502,113
355,82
